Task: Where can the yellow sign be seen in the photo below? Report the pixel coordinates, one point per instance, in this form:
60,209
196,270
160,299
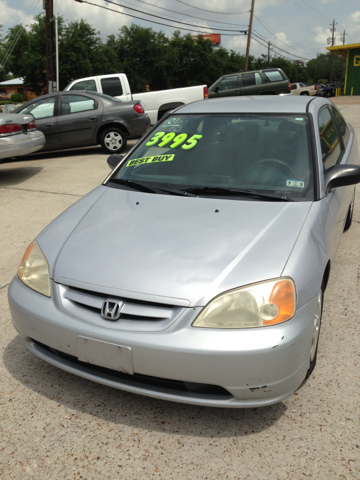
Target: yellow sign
357,61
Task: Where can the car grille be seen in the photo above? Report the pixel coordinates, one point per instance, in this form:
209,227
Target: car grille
135,315
137,381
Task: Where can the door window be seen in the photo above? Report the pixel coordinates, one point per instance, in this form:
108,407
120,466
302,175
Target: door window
76,103
248,79
330,144
344,129
85,85
41,109
111,86
228,83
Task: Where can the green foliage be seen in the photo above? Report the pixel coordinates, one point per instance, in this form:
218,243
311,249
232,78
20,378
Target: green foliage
319,68
82,52
5,102
16,97
141,54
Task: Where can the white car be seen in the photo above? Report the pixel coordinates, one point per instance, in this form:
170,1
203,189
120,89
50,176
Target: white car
19,135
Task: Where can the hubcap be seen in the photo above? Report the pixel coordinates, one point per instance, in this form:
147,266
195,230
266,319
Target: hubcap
316,329
113,141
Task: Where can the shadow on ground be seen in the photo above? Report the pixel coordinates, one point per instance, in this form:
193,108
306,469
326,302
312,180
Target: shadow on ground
133,410
10,177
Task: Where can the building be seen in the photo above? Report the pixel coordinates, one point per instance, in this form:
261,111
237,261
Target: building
16,85
351,53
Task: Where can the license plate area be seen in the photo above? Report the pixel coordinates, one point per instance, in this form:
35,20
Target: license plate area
104,354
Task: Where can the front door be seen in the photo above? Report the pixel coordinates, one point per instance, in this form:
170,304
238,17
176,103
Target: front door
78,120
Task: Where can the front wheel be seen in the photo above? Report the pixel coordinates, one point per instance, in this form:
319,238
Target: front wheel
113,140
316,332
349,217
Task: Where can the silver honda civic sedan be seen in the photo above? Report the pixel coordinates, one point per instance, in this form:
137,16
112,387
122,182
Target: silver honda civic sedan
196,272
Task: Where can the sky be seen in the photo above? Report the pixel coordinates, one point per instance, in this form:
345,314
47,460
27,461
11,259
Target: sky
296,29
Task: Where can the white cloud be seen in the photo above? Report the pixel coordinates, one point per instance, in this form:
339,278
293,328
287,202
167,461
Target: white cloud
356,16
11,16
321,36
105,21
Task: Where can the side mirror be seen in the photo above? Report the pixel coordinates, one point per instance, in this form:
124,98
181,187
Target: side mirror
216,89
340,176
114,160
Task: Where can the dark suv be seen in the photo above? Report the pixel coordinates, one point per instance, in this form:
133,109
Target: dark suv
270,81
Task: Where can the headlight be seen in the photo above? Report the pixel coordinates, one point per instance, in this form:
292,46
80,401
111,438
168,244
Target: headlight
33,270
257,305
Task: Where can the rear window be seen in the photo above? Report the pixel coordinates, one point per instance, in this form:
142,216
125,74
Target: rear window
85,85
111,86
257,152
273,75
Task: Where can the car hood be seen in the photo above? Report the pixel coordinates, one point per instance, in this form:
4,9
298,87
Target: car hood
174,249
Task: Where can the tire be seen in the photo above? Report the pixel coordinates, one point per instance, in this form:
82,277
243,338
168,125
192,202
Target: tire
316,332
349,217
305,93
113,140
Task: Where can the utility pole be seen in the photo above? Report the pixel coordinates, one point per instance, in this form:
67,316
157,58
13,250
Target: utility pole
269,53
249,35
332,30
342,59
49,13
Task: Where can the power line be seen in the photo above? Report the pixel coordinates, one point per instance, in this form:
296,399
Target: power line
282,50
187,15
211,11
160,23
272,33
163,18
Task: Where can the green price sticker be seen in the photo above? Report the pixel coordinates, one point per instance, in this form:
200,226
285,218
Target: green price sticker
176,140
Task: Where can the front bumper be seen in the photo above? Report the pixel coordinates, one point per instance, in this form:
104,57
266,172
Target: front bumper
255,367
16,145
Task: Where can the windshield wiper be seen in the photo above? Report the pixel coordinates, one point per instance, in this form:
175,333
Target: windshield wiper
145,188
137,185
238,192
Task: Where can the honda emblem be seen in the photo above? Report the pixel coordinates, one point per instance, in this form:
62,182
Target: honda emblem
111,310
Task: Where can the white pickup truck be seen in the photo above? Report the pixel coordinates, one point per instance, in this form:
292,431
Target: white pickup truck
303,89
156,104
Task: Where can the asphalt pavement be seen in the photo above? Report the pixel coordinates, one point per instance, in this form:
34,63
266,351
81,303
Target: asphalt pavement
54,425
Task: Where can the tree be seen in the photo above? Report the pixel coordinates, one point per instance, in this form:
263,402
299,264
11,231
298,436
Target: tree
13,45
141,54
319,68
82,53
3,68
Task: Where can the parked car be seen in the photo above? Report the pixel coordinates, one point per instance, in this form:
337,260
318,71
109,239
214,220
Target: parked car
271,81
19,135
79,119
156,103
196,272
303,89
326,90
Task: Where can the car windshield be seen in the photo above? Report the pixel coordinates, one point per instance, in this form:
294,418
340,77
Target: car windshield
220,154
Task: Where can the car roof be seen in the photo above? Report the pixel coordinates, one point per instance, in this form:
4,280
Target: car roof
72,92
253,104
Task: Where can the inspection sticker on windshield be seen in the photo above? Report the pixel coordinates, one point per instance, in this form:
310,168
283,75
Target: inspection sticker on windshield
156,159
295,183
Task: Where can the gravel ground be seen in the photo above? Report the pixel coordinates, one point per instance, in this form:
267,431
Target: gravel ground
57,426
